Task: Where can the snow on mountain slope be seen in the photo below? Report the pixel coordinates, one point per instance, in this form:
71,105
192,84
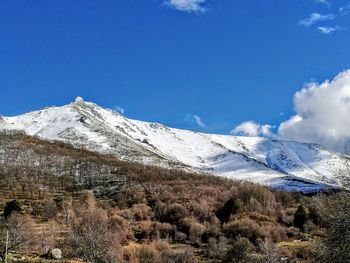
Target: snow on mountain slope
279,164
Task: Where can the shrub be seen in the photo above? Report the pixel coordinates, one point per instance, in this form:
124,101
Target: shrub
180,236
174,212
275,233
300,217
268,252
178,256
129,255
161,230
201,210
239,251
141,211
232,206
213,228
287,198
148,254
244,227
50,208
10,207
246,192
143,230
161,245
217,247
196,232
255,226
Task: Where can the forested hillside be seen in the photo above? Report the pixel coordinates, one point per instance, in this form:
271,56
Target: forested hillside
96,208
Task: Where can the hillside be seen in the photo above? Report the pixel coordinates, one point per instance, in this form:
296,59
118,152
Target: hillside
280,164
169,214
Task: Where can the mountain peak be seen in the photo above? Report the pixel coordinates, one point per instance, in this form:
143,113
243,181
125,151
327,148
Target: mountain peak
79,99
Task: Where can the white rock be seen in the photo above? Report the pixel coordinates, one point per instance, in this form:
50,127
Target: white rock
55,253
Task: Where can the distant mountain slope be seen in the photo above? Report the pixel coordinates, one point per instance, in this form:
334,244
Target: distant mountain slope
279,164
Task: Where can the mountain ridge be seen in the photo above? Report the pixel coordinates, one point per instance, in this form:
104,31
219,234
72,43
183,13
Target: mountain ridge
280,164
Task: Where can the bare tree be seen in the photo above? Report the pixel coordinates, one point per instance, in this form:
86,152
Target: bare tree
67,209
93,237
335,246
269,253
49,234
20,233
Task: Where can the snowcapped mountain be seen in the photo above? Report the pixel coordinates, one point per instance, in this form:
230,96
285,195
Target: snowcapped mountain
279,164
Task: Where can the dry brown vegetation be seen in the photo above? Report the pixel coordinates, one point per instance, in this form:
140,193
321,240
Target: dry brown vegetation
99,209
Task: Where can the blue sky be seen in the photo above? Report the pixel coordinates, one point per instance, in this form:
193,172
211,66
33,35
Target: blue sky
204,65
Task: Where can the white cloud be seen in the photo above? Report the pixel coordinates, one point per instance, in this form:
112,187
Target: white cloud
199,121
324,2
195,119
328,29
119,109
344,10
322,114
314,18
188,5
250,128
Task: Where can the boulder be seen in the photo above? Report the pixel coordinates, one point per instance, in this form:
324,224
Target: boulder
55,253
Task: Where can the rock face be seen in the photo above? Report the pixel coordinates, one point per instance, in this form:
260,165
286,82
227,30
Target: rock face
276,163
55,253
